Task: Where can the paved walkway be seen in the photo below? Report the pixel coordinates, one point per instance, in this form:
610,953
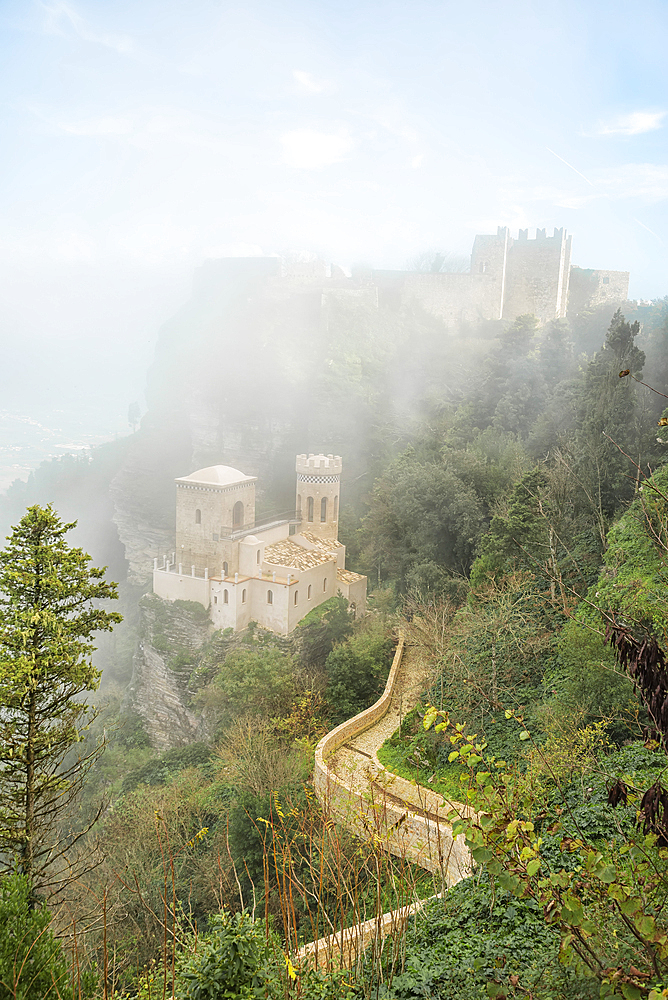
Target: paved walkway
356,762
410,820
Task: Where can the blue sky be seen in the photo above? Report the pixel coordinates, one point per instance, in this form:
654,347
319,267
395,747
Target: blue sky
139,138
161,133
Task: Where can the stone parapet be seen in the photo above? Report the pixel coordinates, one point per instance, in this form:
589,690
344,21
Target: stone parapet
410,820
319,465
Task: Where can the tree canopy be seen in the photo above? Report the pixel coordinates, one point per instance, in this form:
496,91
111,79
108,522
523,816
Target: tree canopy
49,615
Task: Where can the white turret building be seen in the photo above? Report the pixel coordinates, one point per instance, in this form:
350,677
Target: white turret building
272,571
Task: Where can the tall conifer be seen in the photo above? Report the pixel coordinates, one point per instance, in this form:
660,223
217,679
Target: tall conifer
49,615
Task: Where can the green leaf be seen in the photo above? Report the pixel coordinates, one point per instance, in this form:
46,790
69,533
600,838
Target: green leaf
630,992
608,874
630,906
645,925
430,717
481,855
453,756
533,866
525,735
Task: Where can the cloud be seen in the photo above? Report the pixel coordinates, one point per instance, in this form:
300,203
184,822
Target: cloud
308,83
234,250
147,128
648,181
61,18
105,126
634,124
310,150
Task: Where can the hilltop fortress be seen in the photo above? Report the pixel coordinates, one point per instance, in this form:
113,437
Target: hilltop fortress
508,277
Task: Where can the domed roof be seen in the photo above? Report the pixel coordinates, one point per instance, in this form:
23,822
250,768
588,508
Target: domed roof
217,475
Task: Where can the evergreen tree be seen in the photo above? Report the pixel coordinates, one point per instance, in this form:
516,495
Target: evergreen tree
609,419
421,516
48,618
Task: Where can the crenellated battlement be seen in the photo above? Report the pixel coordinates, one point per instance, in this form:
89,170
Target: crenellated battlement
508,277
541,234
319,465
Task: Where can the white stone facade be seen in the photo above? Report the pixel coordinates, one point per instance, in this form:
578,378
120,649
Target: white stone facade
241,570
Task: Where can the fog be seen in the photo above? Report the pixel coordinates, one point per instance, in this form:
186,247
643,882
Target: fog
142,139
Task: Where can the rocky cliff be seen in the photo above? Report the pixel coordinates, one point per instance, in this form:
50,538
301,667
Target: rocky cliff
249,373
170,638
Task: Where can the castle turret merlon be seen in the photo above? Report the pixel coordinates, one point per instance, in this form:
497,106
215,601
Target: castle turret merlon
326,465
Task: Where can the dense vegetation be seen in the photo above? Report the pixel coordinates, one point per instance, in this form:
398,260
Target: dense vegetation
501,521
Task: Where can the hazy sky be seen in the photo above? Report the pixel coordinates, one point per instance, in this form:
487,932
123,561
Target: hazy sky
140,137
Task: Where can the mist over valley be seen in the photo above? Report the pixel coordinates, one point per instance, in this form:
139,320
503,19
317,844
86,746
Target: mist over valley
333,437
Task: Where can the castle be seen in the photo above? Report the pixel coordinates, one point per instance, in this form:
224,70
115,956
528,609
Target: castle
273,570
507,278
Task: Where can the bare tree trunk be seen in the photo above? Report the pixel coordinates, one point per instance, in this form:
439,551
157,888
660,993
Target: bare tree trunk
29,846
553,560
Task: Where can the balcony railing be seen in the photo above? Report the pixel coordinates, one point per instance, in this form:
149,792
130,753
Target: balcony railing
236,531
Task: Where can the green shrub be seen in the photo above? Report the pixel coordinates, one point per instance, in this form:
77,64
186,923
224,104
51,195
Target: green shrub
357,670
230,960
195,610
32,963
160,769
478,935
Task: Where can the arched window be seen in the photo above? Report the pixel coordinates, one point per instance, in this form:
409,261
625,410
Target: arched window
299,505
226,597
225,571
198,517
257,557
238,514
323,509
243,596
336,508
296,596
324,585
308,593
353,607
215,600
309,507
270,597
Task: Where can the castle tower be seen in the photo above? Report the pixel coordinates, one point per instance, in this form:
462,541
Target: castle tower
488,271
318,485
211,505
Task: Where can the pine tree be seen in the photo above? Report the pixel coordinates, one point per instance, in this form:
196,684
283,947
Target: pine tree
49,615
609,420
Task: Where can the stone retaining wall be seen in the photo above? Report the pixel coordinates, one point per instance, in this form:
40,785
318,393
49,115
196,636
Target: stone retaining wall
409,820
346,946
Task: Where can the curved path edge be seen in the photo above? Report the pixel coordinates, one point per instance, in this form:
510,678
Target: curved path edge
409,820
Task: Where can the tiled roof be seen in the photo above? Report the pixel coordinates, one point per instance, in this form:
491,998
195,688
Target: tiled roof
323,543
288,553
347,576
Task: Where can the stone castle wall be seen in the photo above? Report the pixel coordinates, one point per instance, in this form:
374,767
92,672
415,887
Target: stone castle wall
590,288
508,278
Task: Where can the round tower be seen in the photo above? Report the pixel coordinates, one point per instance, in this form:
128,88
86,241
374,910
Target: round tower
318,484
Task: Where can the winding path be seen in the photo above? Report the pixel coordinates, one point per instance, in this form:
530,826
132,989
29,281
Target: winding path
359,792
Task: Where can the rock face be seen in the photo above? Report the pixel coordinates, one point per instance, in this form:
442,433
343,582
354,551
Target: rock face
171,635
